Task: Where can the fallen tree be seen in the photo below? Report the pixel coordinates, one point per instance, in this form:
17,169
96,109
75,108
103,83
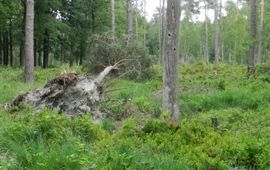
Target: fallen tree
70,93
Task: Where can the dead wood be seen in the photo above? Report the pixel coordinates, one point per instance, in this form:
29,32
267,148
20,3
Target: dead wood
70,93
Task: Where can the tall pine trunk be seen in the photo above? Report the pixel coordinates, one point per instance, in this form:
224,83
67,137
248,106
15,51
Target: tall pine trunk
35,52
206,48
29,42
1,47
23,2
10,45
144,23
260,58
46,47
170,65
162,31
253,36
39,55
216,22
6,48
113,17
136,20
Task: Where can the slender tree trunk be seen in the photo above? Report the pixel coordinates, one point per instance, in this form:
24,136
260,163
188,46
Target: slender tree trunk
170,65
136,20
222,52
35,52
46,47
71,56
144,23
23,2
29,42
113,17
259,58
230,55
39,55
6,48
206,49
10,44
1,47
221,43
217,55
62,52
129,18
253,36
82,50
162,31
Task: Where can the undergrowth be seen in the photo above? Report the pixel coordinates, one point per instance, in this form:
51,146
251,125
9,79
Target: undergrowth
136,135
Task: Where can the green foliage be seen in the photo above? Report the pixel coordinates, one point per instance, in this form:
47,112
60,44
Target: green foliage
47,140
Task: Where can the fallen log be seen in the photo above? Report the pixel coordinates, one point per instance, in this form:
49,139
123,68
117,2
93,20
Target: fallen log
70,93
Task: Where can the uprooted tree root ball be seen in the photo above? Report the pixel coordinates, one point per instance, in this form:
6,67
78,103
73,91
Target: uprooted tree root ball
70,93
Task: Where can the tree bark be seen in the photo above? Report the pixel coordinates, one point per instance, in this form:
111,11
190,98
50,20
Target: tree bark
253,36
259,58
170,65
29,42
144,23
216,22
162,31
6,48
136,20
82,50
129,18
10,44
39,55
113,17
206,48
1,48
35,52
46,47
71,57
22,34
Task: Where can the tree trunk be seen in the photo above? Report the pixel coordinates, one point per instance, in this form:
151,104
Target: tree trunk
71,57
136,20
39,55
1,48
46,49
162,31
35,52
10,45
253,36
129,18
217,55
6,48
170,65
206,49
29,42
221,43
113,18
82,50
22,34
259,58
144,23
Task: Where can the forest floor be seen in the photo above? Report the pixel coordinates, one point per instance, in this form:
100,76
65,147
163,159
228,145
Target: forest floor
137,134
